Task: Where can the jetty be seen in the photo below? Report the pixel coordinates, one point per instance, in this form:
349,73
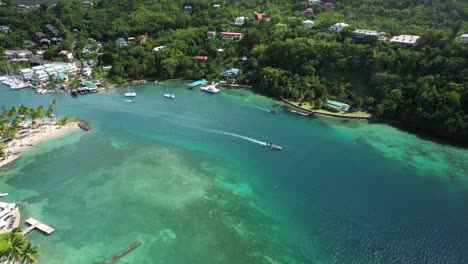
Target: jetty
235,85
122,253
310,112
83,124
39,225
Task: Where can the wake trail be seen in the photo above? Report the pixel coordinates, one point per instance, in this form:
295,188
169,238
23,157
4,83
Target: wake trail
264,109
237,136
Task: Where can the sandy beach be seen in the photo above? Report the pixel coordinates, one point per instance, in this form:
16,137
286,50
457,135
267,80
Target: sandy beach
17,146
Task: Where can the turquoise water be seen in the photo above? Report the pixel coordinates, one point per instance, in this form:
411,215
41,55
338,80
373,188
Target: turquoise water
190,180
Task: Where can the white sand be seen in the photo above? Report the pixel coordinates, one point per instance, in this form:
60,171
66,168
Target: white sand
18,146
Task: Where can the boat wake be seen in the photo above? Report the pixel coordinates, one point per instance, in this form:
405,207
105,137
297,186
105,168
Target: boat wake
264,109
238,136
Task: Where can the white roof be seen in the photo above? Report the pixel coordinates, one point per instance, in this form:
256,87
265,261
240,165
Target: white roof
308,22
465,35
405,39
340,25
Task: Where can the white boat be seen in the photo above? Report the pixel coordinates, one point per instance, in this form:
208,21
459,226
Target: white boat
19,85
273,146
130,94
3,78
210,89
170,96
3,194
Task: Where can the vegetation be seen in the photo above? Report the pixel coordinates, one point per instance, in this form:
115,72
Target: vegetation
423,87
14,248
12,122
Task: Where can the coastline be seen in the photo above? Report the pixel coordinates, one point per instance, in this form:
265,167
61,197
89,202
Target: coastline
18,146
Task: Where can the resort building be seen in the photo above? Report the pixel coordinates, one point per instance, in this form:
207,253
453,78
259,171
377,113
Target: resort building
188,8
232,35
336,106
216,6
313,2
11,54
409,40
9,217
338,27
26,74
464,39
367,34
239,21
308,24
210,34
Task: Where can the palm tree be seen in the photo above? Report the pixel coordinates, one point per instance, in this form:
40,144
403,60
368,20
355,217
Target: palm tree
30,254
54,103
12,112
16,245
40,113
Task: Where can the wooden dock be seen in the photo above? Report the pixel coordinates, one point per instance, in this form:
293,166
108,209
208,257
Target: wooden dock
39,225
122,253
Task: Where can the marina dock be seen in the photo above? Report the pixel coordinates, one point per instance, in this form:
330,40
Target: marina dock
39,225
122,253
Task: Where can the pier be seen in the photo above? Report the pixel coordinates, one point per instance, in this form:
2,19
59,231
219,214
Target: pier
39,225
122,253
310,112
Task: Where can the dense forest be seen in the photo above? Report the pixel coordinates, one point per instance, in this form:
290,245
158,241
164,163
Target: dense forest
423,87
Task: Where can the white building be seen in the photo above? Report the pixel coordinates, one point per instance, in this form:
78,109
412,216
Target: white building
308,24
239,21
156,49
338,27
312,2
370,34
216,6
464,39
405,39
26,74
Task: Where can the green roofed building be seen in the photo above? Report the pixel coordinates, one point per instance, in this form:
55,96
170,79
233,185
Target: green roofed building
336,106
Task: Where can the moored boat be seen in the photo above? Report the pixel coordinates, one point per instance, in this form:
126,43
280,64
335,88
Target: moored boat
3,194
273,146
130,94
210,89
170,96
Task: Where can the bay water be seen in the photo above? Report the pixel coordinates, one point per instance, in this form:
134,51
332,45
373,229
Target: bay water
192,180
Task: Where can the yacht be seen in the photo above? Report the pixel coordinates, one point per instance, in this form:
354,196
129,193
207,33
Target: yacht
3,194
210,89
170,96
130,94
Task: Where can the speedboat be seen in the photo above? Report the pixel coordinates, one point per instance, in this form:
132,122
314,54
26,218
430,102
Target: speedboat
273,111
3,194
210,89
170,96
130,94
273,146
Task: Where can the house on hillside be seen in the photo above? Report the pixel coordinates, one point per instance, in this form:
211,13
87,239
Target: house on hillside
232,35
408,40
464,39
309,11
308,24
159,48
329,5
338,27
367,34
188,8
216,6
121,42
51,30
239,21
5,29
231,72
314,2
88,4
143,38
201,58
66,55
261,16
210,34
